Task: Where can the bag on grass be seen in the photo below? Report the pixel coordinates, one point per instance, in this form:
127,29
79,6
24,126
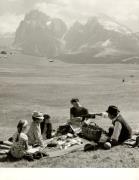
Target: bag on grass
64,129
91,131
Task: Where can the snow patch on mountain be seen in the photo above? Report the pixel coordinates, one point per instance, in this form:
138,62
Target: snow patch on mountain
106,52
49,23
106,43
112,26
131,59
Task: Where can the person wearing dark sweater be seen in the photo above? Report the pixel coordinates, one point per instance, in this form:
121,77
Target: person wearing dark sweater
120,131
46,127
77,112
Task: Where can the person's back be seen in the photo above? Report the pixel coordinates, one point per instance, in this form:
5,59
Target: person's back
18,149
20,143
126,130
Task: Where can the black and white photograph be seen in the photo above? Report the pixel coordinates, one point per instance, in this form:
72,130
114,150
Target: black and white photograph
69,85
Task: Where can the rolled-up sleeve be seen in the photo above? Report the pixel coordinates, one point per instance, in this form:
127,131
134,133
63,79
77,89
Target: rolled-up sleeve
117,131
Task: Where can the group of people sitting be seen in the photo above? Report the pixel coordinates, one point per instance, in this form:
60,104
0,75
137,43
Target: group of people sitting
41,128
120,130
24,139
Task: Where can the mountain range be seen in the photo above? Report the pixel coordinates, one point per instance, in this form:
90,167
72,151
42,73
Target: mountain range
100,39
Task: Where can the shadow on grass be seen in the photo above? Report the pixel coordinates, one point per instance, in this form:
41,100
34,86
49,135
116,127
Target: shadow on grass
8,158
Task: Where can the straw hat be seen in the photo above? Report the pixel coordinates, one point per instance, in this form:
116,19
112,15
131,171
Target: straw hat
37,115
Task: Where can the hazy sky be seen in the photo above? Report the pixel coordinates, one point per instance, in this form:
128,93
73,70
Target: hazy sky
13,11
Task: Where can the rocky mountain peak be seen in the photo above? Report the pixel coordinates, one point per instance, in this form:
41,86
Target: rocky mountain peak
40,34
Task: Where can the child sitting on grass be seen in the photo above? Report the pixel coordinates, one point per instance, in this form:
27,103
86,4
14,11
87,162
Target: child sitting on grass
46,127
34,133
20,143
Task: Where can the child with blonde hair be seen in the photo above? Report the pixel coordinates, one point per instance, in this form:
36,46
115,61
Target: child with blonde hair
20,143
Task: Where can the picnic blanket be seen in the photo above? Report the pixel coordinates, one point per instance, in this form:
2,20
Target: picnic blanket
56,146
4,151
63,145
60,152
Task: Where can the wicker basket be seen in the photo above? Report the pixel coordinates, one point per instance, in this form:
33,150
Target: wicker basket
91,131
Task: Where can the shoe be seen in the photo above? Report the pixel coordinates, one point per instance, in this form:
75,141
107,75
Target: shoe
90,147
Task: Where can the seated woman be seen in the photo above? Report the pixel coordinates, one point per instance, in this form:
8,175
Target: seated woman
46,127
120,131
34,133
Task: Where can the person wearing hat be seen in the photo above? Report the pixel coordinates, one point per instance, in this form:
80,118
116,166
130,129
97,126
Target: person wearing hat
34,132
120,131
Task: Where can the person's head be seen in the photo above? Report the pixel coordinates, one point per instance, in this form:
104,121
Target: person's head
46,118
37,117
112,111
75,102
22,125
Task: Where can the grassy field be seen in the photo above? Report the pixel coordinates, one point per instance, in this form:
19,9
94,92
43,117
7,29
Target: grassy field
30,83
